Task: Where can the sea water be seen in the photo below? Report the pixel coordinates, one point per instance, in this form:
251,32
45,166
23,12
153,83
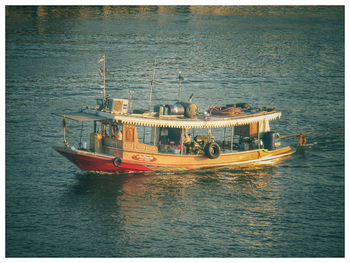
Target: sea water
291,58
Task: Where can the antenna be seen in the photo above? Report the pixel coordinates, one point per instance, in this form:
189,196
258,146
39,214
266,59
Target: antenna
131,95
152,84
180,78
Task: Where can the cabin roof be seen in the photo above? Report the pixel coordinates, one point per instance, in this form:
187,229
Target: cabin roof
174,121
209,122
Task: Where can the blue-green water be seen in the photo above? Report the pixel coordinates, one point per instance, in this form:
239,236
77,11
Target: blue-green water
288,57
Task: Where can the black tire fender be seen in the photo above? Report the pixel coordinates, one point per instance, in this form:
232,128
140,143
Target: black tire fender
117,161
212,150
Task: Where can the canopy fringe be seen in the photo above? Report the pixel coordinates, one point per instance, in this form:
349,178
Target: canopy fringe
188,124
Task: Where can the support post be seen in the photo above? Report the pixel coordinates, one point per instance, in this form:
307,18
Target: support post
143,136
302,140
81,134
64,135
223,143
258,131
64,123
154,135
231,138
110,128
182,141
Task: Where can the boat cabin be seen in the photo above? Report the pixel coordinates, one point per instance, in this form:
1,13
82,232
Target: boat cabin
180,136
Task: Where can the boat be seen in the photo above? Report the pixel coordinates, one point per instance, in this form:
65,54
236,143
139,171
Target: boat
175,137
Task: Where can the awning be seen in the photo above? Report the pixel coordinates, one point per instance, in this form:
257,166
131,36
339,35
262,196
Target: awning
198,123
81,116
210,122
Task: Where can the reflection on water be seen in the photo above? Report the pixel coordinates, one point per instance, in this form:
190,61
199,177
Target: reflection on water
137,204
247,178
84,11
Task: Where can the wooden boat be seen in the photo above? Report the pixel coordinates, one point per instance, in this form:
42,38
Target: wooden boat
123,141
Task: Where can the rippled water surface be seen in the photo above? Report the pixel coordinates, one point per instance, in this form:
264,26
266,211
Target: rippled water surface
288,57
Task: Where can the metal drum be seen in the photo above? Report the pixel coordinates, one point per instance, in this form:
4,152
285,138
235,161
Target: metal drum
269,140
176,109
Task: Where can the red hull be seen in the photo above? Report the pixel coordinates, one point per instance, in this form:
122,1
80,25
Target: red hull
99,163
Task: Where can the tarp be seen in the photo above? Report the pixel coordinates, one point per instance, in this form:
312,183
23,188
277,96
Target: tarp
81,116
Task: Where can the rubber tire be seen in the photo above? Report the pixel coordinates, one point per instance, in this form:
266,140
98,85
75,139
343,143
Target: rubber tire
117,161
212,150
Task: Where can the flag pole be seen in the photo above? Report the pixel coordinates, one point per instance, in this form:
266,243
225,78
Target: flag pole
64,124
152,84
104,78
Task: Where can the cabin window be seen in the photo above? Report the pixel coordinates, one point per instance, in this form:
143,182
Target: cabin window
116,130
112,129
174,135
104,130
145,134
168,140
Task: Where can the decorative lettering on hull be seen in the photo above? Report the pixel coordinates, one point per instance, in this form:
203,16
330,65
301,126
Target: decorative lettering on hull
145,158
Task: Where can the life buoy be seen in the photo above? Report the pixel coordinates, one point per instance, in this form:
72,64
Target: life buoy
212,150
117,161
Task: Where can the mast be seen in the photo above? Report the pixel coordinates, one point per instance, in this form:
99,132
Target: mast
103,74
152,84
131,95
104,77
179,92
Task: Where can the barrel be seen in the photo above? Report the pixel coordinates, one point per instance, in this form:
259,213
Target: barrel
95,142
269,140
176,109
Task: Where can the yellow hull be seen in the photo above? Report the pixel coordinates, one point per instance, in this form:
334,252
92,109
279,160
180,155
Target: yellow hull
171,161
